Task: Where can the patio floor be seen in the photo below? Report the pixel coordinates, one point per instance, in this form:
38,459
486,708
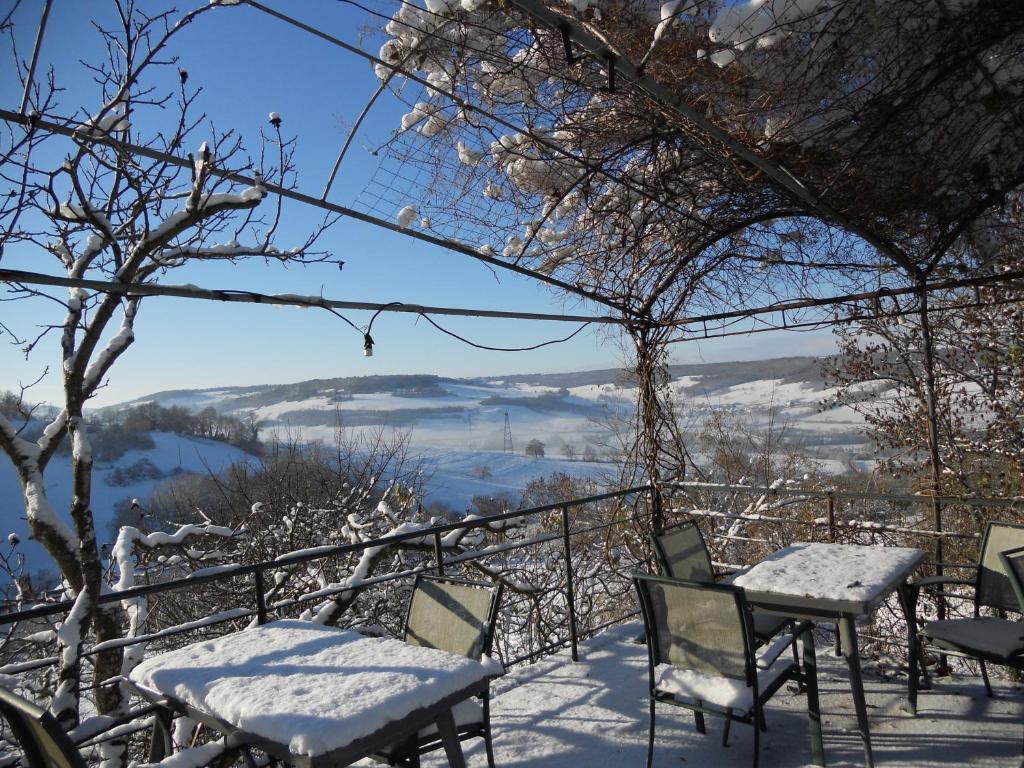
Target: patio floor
593,714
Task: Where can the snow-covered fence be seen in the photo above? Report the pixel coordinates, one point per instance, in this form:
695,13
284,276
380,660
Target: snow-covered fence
565,569
532,551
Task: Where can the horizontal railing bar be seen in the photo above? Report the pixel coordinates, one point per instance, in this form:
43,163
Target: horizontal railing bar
477,554
51,609
850,525
976,501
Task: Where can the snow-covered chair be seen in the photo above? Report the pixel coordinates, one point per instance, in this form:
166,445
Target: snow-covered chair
701,656
682,554
997,585
43,742
457,616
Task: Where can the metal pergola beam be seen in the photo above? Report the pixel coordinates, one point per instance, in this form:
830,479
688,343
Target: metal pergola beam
288,300
849,298
628,72
67,129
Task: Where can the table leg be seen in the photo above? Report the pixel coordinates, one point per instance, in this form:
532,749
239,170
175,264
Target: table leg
848,635
160,744
811,688
450,739
908,601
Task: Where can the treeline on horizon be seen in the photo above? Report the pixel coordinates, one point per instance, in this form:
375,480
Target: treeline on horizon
114,432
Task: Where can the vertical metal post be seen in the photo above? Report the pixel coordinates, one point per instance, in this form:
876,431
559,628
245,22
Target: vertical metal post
831,512
569,592
438,555
940,600
261,598
30,77
831,499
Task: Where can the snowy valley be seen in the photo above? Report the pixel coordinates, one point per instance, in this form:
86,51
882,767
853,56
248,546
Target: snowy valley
456,429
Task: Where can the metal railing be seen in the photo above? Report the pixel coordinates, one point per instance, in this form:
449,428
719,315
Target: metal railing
828,526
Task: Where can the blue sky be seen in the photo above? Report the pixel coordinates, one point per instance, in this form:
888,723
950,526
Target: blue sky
249,66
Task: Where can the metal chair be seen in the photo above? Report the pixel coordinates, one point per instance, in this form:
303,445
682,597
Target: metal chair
43,742
986,639
701,657
683,554
457,616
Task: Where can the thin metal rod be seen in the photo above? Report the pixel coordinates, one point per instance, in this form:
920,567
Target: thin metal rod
352,134
30,77
570,597
366,111
289,300
291,194
438,554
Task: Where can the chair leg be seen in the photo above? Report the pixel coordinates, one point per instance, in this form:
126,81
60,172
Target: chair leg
698,722
759,714
650,738
984,677
728,726
488,746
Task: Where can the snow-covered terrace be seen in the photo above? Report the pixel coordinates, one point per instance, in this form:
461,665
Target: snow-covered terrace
593,713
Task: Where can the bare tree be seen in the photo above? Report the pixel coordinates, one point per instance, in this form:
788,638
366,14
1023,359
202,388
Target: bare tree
109,213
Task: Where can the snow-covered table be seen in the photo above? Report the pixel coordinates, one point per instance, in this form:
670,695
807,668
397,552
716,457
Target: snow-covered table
314,696
836,582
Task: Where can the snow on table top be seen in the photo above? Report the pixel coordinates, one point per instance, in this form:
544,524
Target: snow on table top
842,572
312,687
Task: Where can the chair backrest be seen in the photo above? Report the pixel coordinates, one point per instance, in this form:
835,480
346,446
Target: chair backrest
696,625
43,742
1013,564
453,615
682,553
994,588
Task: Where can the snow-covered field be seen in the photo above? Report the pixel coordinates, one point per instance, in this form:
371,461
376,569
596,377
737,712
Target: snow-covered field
557,714
172,455
456,428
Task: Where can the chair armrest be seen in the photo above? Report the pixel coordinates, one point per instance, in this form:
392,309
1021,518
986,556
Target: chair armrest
770,653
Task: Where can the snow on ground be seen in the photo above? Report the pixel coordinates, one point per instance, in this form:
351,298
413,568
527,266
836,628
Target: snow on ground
771,391
455,477
172,455
557,714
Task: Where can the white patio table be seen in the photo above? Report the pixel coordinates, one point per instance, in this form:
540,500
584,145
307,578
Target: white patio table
314,696
836,582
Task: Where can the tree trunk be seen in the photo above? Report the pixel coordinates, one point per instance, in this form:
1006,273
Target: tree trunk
650,415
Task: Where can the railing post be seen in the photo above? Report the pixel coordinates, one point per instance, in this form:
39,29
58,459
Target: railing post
438,555
261,598
830,501
940,600
569,592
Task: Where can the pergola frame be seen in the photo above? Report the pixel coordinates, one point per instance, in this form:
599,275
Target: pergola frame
619,68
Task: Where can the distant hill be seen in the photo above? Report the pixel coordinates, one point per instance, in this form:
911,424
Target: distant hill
558,408
407,401
714,376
